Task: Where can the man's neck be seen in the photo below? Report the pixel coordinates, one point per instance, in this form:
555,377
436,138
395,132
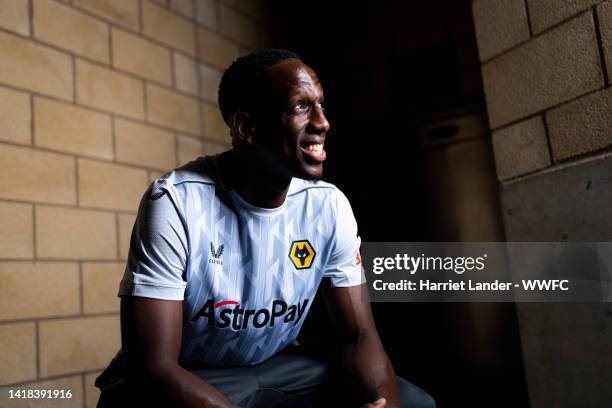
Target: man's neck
257,186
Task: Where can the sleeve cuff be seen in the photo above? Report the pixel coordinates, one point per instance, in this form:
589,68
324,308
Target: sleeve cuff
151,291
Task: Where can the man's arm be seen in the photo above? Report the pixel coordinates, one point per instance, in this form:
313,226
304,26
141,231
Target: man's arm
362,352
151,331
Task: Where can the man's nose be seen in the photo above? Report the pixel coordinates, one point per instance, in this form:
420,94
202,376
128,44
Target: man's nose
318,121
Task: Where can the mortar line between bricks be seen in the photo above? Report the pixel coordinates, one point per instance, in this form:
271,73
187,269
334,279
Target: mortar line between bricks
81,295
61,260
34,243
140,18
66,206
128,165
111,62
31,19
548,141
37,335
526,3
113,139
138,33
105,112
173,70
549,108
535,36
577,160
76,179
602,55
53,377
32,130
38,320
120,71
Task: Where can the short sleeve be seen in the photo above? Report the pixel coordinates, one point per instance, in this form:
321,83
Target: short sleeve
344,267
158,251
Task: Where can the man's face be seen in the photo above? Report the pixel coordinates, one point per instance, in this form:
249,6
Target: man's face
295,130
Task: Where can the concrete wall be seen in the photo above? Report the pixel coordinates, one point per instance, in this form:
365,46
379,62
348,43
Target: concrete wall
97,98
546,68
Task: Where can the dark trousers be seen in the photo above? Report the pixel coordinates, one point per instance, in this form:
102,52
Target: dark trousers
288,380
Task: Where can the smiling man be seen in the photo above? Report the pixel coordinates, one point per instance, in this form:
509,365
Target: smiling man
227,254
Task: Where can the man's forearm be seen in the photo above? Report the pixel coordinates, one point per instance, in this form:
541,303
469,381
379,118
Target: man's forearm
183,389
367,363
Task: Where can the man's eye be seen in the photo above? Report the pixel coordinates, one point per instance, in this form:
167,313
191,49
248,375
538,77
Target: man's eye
321,105
299,107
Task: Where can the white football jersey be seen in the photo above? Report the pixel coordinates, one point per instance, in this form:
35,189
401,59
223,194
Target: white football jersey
247,276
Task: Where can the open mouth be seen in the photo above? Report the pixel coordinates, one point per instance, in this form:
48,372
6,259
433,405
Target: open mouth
314,150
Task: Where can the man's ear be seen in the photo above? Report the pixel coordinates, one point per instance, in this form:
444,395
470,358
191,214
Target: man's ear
243,126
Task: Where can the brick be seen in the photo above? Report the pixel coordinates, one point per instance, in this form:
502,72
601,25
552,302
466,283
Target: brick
14,16
15,116
209,83
570,204
92,393
184,7
214,126
35,67
206,13
236,26
257,9
499,25
122,12
171,109
74,233
186,72
581,126
64,127
108,90
52,289
100,286
211,148
34,175
16,224
167,27
108,185
520,148
126,223
153,175
604,14
546,13
141,57
18,352
215,49
55,24
67,383
80,344
189,148
144,145
528,79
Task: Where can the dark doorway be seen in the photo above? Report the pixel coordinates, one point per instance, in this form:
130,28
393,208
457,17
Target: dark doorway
403,93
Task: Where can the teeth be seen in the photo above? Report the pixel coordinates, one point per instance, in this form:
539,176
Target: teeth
315,148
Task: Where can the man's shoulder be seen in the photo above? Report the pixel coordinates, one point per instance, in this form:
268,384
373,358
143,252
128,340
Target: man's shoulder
199,171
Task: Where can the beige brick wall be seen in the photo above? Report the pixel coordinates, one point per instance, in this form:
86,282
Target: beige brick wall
546,70
97,99
549,103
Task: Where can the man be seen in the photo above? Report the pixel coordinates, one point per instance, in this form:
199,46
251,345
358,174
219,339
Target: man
226,256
